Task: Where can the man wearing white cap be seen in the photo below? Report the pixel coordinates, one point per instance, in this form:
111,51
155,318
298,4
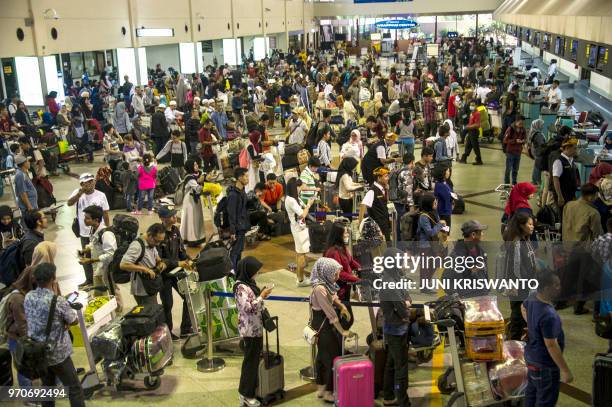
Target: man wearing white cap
170,112
83,197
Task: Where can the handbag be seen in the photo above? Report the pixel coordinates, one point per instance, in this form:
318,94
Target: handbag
268,322
603,327
31,356
311,336
76,227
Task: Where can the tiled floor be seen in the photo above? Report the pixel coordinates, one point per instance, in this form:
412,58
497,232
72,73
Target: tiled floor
183,384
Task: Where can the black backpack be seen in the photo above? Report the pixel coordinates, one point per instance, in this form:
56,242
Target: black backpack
125,228
221,218
311,138
396,194
118,275
12,263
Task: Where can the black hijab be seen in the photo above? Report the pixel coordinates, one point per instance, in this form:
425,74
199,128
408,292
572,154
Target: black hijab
247,268
6,211
347,166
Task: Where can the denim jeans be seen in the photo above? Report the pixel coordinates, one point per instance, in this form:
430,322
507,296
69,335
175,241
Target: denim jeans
129,202
542,386
150,194
512,165
21,379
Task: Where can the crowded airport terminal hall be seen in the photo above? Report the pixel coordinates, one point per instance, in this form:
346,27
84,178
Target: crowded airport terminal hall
298,203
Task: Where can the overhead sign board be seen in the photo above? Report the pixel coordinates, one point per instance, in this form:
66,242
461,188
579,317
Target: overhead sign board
452,34
398,24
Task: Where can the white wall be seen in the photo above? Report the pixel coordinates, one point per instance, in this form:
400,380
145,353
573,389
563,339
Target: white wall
601,85
166,55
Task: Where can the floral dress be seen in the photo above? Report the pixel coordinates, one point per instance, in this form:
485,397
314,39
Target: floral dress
249,312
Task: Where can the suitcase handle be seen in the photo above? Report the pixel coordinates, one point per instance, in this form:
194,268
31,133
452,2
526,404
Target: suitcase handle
267,357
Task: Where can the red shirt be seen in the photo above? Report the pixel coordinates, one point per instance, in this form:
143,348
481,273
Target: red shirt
348,264
205,135
475,118
429,110
271,196
452,110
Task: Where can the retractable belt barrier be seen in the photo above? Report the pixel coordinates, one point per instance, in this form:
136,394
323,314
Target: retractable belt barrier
345,215
306,299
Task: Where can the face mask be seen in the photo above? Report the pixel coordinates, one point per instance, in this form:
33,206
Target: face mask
346,240
472,108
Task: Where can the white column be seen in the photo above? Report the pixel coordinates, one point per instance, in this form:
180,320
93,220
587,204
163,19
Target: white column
187,57
141,65
199,57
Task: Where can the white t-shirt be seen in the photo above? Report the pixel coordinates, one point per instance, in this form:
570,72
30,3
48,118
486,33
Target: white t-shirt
554,96
295,211
95,198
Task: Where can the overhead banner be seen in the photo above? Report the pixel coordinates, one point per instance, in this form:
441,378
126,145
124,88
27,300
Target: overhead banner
398,24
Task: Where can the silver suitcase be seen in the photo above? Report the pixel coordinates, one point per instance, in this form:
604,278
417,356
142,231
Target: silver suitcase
271,372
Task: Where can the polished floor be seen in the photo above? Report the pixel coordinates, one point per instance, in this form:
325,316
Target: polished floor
183,383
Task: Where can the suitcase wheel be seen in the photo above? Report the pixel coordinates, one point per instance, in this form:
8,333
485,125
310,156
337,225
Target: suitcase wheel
152,382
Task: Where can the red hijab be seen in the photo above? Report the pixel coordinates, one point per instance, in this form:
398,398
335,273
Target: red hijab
519,197
255,138
599,172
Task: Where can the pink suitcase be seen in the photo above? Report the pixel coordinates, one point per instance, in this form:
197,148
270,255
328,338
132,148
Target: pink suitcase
353,381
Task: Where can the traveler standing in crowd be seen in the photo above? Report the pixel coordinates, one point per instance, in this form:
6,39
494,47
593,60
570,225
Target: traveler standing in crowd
474,129
324,319
428,229
404,193
133,151
159,127
339,238
429,113
309,178
192,130
581,225
554,96
147,180
38,305
85,196
35,223
250,303
514,139
423,180
121,119
544,350
192,217
353,147
172,253
375,202
297,211
511,109
297,129
143,261
443,191
27,197
565,174
237,214
520,263
112,143
346,186
536,143
378,155
440,146
323,147
138,102
395,305
177,150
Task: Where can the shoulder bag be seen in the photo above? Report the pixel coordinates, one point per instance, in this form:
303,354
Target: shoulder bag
31,356
76,227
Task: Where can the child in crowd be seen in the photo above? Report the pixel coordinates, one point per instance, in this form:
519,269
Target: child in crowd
177,150
147,179
129,181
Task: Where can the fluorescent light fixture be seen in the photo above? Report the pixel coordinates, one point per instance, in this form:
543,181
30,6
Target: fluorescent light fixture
187,57
142,65
28,79
232,52
155,32
259,48
54,83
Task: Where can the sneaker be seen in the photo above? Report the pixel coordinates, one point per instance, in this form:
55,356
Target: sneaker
85,286
249,402
304,283
136,213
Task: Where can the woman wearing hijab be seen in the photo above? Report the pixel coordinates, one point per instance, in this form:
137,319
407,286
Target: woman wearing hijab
452,144
324,319
121,119
63,117
254,151
518,201
250,303
346,186
536,143
52,104
320,105
192,218
599,173
353,147
337,250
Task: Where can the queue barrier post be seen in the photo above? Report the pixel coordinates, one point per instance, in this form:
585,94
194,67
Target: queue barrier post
309,373
210,363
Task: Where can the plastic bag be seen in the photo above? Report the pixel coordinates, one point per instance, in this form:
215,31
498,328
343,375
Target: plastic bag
509,378
482,309
152,353
107,343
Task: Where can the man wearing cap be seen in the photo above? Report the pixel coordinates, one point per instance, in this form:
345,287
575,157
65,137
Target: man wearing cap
469,251
514,139
83,197
565,173
375,202
27,197
172,253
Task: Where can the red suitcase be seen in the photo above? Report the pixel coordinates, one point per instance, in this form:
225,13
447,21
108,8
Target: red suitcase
353,381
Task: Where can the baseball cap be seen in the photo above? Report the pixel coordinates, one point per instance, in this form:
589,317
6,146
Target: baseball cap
472,226
85,177
570,141
165,212
20,159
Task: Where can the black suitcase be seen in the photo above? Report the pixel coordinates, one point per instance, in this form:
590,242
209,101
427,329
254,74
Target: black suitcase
169,179
317,232
142,320
293,149
6,368
290,161
602,380
459,207
213,262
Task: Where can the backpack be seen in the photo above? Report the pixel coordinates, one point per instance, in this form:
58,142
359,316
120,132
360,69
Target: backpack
125,228
221,218
548,215
244,159
435,156
396,194
118,275
4,316
12,263
409,223
311,138
179,194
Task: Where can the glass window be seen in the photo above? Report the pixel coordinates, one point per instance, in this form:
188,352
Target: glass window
76,64
90,63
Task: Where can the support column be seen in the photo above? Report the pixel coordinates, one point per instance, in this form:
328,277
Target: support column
476,25
286,50
43,76
436,29
141,66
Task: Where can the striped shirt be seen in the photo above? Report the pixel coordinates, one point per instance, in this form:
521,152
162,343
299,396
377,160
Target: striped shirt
309,179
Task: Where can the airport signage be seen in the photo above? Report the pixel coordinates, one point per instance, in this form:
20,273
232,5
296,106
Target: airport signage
398,24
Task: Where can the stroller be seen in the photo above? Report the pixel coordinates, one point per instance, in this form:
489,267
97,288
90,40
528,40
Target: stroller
125,352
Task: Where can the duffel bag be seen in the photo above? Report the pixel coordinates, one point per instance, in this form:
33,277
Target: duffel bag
142,320
213,262
292,149
290,161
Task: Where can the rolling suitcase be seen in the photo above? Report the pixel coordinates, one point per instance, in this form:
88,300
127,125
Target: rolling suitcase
6,368
353,381
169,180
318,233
271,372
602,380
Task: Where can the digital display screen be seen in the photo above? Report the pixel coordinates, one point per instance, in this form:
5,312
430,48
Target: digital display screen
574,50
559,46
602,58
591,55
